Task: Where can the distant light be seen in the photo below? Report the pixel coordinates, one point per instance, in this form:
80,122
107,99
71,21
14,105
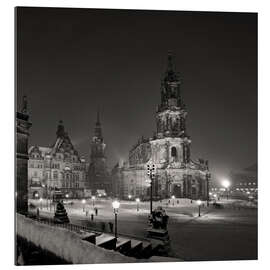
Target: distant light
215,195
67,195
210,193
36,195
93,197
116,204
199,202
83,201
40,199
129,196
173,197
137,200
226,183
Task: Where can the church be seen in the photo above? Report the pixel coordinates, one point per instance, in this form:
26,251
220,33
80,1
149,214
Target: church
176,174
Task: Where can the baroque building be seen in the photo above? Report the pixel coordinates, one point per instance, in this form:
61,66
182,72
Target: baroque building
169,150
22,134
58,167
99,180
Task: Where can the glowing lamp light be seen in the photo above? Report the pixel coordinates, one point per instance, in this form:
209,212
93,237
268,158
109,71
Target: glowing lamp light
199,202
226,183
36,195
93,197
129,196
67,195
137,200
83,201
173,197
115,205
215,195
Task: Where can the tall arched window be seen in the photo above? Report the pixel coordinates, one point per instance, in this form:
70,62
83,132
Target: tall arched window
173,152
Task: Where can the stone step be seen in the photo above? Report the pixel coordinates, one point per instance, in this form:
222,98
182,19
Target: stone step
136,248
123,245
106,241
146,250
89,237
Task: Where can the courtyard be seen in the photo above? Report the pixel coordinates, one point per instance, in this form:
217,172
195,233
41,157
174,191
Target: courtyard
228,233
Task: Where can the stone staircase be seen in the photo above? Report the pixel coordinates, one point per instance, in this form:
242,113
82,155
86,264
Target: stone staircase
125,245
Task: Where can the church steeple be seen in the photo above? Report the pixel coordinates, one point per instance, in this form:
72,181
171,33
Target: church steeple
170,86
171,113
98,130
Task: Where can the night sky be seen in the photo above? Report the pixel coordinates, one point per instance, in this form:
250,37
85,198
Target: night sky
72,61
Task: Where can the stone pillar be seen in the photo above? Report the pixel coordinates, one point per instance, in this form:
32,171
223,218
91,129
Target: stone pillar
22,133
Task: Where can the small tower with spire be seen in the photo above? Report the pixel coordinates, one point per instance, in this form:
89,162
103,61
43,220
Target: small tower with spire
98,173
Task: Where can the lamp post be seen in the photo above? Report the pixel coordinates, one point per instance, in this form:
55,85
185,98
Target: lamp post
83,202
173,198
151,170
115,205
93,200
199,202
226,184
137,201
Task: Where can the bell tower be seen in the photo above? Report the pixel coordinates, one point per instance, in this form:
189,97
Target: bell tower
98,177
171,113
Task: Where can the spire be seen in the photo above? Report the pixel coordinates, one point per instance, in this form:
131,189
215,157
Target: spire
60,129
170,62
98,120
24,105
98,130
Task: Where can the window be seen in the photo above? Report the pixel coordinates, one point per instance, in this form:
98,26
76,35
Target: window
173,152
35,174
55,175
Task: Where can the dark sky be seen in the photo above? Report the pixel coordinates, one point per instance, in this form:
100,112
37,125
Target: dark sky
72,61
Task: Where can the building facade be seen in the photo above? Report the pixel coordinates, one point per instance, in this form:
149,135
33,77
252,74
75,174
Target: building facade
22,134
58,167
99,180
169,150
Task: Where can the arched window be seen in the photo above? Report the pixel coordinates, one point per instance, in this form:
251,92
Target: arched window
173,152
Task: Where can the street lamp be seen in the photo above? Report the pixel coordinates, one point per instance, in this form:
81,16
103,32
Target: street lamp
115,205
67,196
83,202
199,202
36,195
173,198
93,200
226,183
137,201
129,196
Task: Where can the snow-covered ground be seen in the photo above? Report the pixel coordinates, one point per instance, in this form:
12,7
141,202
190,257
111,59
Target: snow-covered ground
228,233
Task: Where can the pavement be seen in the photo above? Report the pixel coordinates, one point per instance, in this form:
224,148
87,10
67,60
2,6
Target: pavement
218,234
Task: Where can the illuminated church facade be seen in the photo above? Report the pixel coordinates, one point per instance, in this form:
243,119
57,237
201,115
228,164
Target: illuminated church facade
169,150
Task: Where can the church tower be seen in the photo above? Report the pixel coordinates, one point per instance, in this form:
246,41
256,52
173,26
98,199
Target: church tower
171,112
98,176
